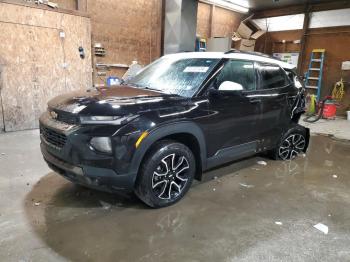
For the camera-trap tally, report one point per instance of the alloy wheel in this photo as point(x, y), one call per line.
point(291, 146)
point(170, 176)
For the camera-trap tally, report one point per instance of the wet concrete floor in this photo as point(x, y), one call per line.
point(230, 217)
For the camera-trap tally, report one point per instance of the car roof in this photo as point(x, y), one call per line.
point(233, 54)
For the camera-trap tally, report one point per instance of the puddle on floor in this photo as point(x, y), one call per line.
point(231, 216)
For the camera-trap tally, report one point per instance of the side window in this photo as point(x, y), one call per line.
point(272, 76)
point(240, 72)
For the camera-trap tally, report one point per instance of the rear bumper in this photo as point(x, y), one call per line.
point(103, 179)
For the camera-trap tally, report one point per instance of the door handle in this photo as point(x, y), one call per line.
point(255, 100)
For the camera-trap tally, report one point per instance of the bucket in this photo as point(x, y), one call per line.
point(329, 110)
point(348, 115)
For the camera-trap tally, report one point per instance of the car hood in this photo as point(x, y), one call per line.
point(119, 100)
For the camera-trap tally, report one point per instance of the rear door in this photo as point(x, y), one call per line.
point(273, 89)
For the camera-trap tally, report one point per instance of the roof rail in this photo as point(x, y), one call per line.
point(252, 53)
point(232, 51)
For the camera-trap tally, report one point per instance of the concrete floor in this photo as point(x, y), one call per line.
point(230, 217)
point(338, 128)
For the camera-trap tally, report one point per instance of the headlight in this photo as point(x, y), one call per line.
point(102, 144)
point(111, 120)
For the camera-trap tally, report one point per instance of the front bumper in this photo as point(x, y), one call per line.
point(94, 177)
point(78, 163)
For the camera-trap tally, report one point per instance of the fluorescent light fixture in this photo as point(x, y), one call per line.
point(243, 3)
point(240, 6)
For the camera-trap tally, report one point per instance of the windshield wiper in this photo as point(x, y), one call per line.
point(153, 89)
point(146, 87)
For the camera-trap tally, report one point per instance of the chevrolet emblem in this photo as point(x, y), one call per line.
point(53, 114)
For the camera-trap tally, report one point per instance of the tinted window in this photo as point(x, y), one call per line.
point(240, 72)
point(272, 76)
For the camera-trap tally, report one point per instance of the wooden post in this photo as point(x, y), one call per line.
point(162, 29)
point(303, 39)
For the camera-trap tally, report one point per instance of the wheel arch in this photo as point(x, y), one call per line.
point(187, 133)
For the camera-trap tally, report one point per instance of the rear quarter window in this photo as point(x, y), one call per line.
point(271, 76)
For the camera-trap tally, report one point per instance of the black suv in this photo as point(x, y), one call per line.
point(181, 115)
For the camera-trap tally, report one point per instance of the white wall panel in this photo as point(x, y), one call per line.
point(330, 18)
point(281, 23)
point(339, 17)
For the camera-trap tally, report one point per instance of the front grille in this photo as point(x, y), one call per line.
point(67, 117)
point(52, 137)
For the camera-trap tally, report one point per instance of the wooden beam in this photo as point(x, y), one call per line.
point(298, 9)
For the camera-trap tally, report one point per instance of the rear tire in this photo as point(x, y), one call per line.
point(166, 174)
point(292, 143)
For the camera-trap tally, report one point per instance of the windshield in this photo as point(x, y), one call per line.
point(174, 76)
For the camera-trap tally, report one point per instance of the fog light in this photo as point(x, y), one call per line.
point(102, 144)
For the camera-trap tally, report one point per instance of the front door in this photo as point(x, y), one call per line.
point(233, 115)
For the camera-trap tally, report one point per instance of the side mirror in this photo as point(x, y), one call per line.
point(230, 86)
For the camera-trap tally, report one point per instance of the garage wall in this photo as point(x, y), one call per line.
point(128, 30)
point(223, 22)
point(36, 63)
point(336, 42)
point(265, 44)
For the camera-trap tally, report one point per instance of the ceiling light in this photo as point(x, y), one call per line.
point(240, 6)
point(243, 3)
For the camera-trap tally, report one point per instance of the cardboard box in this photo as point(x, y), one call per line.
point(245, 45)
point(246, 35)
point(248, 29)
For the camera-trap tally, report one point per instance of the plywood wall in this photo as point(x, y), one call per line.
point(224, 22)
point(36, 63)
point(203, 20)
point(128, 30)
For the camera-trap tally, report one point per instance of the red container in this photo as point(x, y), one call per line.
point(329, 110)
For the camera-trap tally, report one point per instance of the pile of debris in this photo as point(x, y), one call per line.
point(243, 39)
point(247, 34)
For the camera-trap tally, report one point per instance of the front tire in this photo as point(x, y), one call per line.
point(166, 174)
